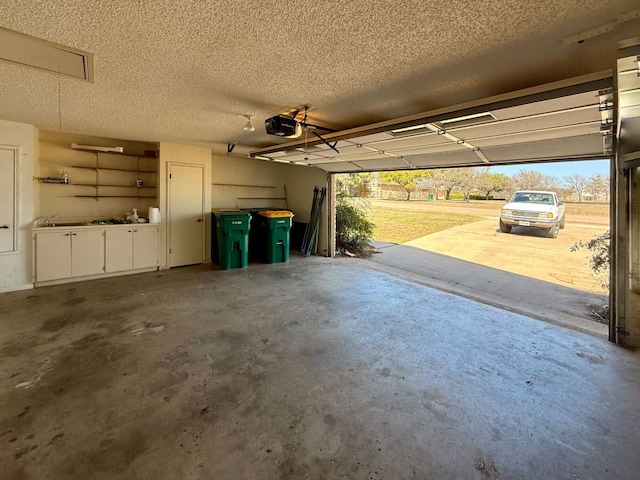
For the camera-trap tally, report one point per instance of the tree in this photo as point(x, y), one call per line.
point(467, 179)
point(445, 179)
point(564, 193)
point(432, 185)
point(549, 182)
point(577, 183)
point(488, 182)
point(405, 178)
point(355, 184)
point(527, 180)
point(597, 185)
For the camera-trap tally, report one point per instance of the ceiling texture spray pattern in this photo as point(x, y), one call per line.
point(188, 71)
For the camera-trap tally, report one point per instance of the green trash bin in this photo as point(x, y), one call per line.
point(232, 232)
point(278, 229)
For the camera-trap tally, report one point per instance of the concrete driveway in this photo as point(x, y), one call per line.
point(524, 251)
point(523, 271)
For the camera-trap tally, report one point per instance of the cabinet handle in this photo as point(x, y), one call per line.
point(4, 226)
point(67, 234)
point(74, 234)
point(135, 230)
point(199, 220)
point(129, 231)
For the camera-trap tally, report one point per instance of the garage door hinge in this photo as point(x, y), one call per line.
point(620, 331)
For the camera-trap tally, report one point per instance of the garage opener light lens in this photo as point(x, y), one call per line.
point(248, 126)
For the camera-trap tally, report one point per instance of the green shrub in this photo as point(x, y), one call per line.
point(600, 248)
point(600, 264)
point(353, 227)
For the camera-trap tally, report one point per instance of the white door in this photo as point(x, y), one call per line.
point(7, 199)
point(186, 214)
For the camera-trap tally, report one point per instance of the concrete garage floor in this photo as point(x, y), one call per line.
point(479, 262)
point(319, 368)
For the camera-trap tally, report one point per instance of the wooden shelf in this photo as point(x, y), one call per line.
point(109, 185)
point(262, 198)
point(241, 185)
point(114, 196)
point(113, 169)
point(97, 185)
point(113, 153)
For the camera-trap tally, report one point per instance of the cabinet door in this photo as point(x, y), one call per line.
point(87, 252)
point(53, 255)
point(145, 247)
point(119, 250)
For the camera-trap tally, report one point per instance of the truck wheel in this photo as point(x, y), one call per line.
point(562, 221)
point(504, 228)
point(553, 231)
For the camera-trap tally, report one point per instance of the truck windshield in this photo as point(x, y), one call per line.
point(541, 198)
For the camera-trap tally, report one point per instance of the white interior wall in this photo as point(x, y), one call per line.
point(48, 153)
point(246, 183)
point(56, 154)
point(301, 181)
point(250, 183)
point(16, 267)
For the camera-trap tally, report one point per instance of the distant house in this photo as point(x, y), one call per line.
point(395, 191)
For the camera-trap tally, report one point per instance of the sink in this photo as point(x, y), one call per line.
point(65, 224)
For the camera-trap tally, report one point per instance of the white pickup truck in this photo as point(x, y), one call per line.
point(533, 208)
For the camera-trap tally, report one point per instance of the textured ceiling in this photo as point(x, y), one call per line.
point(186, 71)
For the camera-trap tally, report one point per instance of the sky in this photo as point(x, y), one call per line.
point(559, 169)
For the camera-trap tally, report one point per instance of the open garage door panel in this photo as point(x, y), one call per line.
point(568, 121)
point(625, 239)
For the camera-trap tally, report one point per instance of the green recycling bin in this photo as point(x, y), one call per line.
point(278, 224)
point(232, 232)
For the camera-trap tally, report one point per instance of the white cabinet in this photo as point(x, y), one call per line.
point(53, 255)
point(131, 248)
point(89, 252)
point(119, 249)
point(68, 253)
point(145, 247)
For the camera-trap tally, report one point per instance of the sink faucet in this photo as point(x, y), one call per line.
point(47, 223)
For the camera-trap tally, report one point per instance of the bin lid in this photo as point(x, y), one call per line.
point(216, 210)
point(237, 213)
point(275, 213)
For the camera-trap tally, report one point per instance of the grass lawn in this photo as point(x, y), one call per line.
point(398, 226)
point(585, 208)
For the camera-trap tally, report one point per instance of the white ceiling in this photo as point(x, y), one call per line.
point(187, 71)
